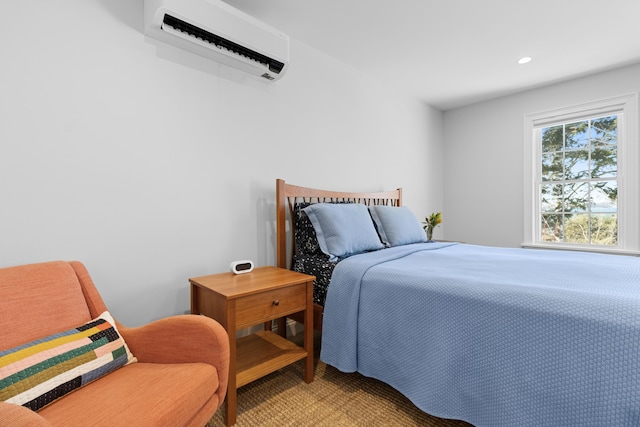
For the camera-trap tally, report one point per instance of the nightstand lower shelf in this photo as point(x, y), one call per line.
point(264, 352)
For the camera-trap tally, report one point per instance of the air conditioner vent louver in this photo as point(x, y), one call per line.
point(222, 43)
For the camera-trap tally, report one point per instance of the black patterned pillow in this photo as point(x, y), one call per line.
point(319, 267)
point(305, 237)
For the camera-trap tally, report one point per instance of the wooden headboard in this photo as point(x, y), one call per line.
point(288, 195)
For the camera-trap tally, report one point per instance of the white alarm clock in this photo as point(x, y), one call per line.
point(242, 266)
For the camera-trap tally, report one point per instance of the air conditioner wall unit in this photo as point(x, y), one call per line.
point(216, 30)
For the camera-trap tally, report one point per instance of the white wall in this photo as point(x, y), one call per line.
point(483, 179)
point(152, 165)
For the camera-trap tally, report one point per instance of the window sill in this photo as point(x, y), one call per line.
point(599, 249)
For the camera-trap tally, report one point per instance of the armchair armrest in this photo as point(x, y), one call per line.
point(182, 339)
point(179, 339)
point(18, 416)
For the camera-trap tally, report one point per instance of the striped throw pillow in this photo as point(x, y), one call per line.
point(37, 373)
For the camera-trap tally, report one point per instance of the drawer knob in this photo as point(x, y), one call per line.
point(276, 302)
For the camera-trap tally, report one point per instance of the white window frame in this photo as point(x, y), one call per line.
point(626, 107)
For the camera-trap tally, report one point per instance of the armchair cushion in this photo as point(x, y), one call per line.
point(141, 394)
point(41, 371)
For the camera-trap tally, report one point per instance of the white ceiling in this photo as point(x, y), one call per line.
point(451, 53)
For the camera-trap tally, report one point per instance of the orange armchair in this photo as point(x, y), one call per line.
point(179, 379)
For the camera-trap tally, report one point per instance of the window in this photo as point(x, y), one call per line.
point(578, 183)
point(581, 177)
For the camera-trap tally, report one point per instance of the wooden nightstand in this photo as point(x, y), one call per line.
point(243, 300)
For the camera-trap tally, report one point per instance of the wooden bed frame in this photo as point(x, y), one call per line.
point(288, 195)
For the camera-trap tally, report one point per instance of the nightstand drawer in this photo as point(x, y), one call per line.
point(271, 304)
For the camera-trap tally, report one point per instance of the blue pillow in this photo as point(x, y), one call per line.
point(397, 225)
point(343, 229)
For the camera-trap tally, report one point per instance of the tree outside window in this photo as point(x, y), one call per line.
point(578, 185)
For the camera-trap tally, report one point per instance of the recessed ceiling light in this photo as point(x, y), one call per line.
point(524, 60)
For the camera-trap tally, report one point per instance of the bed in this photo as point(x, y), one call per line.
point(492, 336)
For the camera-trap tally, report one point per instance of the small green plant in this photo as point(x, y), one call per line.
point(432, 222)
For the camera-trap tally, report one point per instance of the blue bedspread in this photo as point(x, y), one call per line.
point(493, 336)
